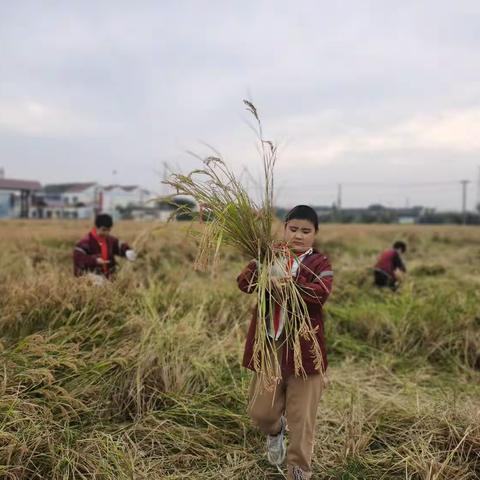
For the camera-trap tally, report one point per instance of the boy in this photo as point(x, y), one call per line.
point(388, 263)
point(295, 399)
point(95, 253)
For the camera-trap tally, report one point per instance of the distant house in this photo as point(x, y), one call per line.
point(84, 200)
point(16, 197)
point(115, 199)
point(67, 200)
point(179, 207)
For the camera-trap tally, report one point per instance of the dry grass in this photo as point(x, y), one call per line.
point(141, 379)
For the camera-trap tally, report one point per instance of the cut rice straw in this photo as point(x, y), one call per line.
point(238, 221)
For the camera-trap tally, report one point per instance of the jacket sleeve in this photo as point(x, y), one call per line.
point(398, 263)
point(317, 289)
point(247, 280)
point(119, 248)
point(82, 258)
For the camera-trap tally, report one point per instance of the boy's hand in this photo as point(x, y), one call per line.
point(399, 276)
point(101, 261)
point(131, 255)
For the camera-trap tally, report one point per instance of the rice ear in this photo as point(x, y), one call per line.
point(240, 222)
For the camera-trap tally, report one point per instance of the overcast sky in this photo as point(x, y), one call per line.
point(359, 93)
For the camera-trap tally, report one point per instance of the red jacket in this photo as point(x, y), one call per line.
point(88, 250)
point(315, 293)
point(389, 261)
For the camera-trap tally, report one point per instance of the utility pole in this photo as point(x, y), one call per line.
point(478, 192)
point(464, 200)
point(339, 197)
point(338, 209)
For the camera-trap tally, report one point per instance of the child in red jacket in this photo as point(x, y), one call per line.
point(389, 262)
point(95, 253)
point(295, 399)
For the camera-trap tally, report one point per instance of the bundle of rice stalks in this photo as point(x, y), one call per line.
point(236, 220)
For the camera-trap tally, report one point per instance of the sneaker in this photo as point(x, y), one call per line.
point(276, 445)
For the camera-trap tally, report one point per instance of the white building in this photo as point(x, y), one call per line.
point(115, 198)
point(165, 209)
point(84, 200)
point(68, 200)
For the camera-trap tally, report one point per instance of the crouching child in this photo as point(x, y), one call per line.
point(95, 253)
point(389, 263)
point(293, 404)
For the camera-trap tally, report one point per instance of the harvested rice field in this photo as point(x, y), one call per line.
point(141, 378)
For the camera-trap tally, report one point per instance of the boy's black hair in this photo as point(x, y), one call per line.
point(303, 212)
point(103, 220)
point(399, 245)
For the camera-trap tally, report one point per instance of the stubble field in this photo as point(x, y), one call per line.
point(141, 378)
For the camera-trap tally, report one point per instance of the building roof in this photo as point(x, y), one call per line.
point(13, 184)
point(68, 187)
point(126, 188)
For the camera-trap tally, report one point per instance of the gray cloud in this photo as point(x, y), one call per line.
point(372, 91)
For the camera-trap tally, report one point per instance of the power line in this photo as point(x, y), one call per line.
point(333, 187)
point(400, 184)
point(377, 184)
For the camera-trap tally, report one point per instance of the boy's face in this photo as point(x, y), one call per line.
point(103, 231)
point(299, 235)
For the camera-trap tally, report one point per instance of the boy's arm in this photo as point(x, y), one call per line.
point(120, 248)
point(318, 290)
point(398, 263)
point(247, 280)
point(82, 258)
